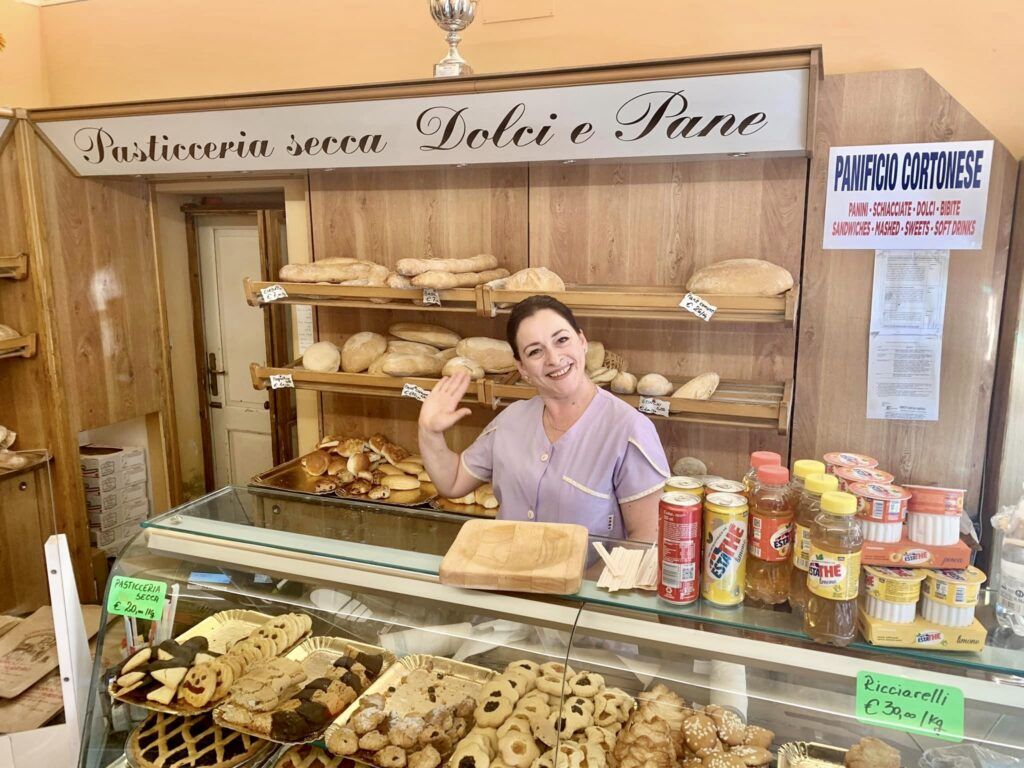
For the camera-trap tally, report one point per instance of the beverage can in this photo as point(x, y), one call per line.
point(725, 548)
point(719, 485)
point(683, 484)
point(679, 520)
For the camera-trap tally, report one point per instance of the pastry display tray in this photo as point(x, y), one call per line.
point(258, 760)
point(290, 476)
point(807, 754)
point(394, 676)
point(442, 504)
point(315, 654)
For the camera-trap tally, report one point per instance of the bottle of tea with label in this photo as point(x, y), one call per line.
point(807, 509)
point(833, 571)
point(771, 538)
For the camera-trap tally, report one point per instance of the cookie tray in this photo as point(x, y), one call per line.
point(807, 754)
point(442, 504)
point(394, 676)
point(227, 627)
point(315, 654)
point(290, 476)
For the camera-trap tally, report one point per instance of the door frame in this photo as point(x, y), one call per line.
point(268, 220)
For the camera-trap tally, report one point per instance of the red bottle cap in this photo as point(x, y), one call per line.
point(773, 475)
point(765, 459)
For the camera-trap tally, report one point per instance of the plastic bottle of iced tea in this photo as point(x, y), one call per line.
point(759, 459)
point(771, 537)
point(801, 469)
point(833, 571)
point(806, 510)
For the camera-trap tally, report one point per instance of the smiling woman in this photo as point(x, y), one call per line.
point(572, 454)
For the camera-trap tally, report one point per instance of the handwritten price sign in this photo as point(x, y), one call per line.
point(653, 407)
point(136, 598)
point(910, 705)
point(415, 392)
point(431, 298)
point(273, 293)
point(695, 305)
point(281, 381)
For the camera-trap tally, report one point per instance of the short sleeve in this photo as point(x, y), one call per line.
point(644, 466)
point(478, 459)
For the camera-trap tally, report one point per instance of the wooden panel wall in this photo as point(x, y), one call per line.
point(106, 294)
point(882, 108)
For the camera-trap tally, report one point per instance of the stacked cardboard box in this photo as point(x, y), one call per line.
point(116, 496)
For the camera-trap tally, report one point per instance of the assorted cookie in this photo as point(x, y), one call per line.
point(308, 756)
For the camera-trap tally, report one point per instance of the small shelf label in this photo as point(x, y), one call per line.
point(431, 298)
point(273, 293)
point(652, 406)
point(415, 392)
point(910, 705)
point(281, 381)
point(136, 598)
point(698, 307)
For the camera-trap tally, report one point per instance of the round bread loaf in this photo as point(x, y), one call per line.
point(741, 277)
point(322, 357)
point(434, 335)
point(624, 383)
point(492, 355)
point(654, 385)
point(360, 350)
point(470, 366)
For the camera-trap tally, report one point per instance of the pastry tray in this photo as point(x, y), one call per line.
point(807, 754)
point(290, 476)
point(321, 652)
point(258, 760)
point(227, 627)
point(394, 676)
point(278, 755)
point(442, 504)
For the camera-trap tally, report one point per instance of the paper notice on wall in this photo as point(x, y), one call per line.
point(304, 327)
point(905, 345)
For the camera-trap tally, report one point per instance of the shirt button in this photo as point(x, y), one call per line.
point(544, 457)
point(530, 515)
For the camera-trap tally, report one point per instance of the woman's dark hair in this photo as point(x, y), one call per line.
point(531, 306)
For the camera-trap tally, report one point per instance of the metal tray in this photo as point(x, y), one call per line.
point(290, 476)
point(395, 675)
point(442, 504)
point(807, 754)
point(315, 654)
point(275, 760)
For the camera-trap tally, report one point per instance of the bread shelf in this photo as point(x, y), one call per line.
point(19, 346)
point(735, 403)
point(625, 302)
point(14, 267)
point(36, 457)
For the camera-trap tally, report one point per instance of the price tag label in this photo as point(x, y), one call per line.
point(910, 705)
point(273, 293)
point(653, 406)
point(136, 598)
point(281, 381)
point(695, 305)
point(415, 392)
point(430, 298)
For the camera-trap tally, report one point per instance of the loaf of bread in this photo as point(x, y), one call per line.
point(536, 279)
point(624, 383)
point(322, 357)
point(595, 355)
point(492, 355)
point(333, 271)
point(377, 366)
point(361, 349)
point(603, 375)
point(457, 364)
point(653, 385)
point(447, 354)
point(395, 280)
point(484, 496)
point(469, 498)
point(743, 277)
point(699, 387)
point(412, 365)
point(412, 267)
point(400, 347)
point(442, 280)
point(434, 335)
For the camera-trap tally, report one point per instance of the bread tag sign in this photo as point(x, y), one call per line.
point(136, 598)
point(273, 293)
point(697, 306)
point(430, 298)
point(652, 406)
point(415, 392)
point(281, 381)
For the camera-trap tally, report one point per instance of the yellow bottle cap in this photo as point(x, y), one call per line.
point(821, 483)
point(838, 503)
point(805, 467)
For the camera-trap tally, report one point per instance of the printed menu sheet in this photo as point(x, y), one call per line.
point(908, 305)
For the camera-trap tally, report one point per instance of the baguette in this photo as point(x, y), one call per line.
point(434, 335)
point(441, 280)
point(699, 387)
point(412, 267)
point(331, 271)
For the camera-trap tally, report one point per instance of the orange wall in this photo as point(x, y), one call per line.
point(118, 50)
point(22, 72)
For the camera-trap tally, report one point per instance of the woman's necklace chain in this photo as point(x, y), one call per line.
point(551, 422)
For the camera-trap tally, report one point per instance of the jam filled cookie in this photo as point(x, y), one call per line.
point(521, 680)
point(532, 668)
point(586, 684)
point(518, 750)
point(533, 706)
point(515, 723)
point(557, 669)
point(390, 757)
point(500, 688)
point(428, 757)
point(491, 713)
point(550, 684)
point(343, 741)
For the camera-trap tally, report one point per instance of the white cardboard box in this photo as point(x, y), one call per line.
point(104, 520)
point(99, 460)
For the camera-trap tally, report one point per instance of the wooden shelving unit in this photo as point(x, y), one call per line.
point(19, 346)
point(742, 404)
point(627, 302)
point(35, 458)
point(14, 267)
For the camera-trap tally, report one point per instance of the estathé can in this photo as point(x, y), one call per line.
point(725, 548)
point(679, 516)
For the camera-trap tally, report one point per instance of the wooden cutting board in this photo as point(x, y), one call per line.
point(542, 558)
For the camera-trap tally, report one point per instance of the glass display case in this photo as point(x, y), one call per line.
point(368, 573)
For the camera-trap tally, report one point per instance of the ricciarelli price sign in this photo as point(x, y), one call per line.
point(908, 196)
point(910, 705)
point(716, 114)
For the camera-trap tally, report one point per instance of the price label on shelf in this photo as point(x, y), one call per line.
point(273, 293)
point(695, 305)
point(652, 406)
point(910, 705)
point(136, 598)
point(281, 381)
point(415, 392)
point(430, 298)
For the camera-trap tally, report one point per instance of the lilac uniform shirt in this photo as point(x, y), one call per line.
point(610, 456)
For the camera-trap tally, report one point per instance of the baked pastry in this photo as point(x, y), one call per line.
point(872, 753)
point(741, 277)
point(308, 756)
point(171, 741)
point(322, 357)
point(699, 387)
point(653, 385)
point(413, 267)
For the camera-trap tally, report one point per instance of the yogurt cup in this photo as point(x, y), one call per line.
point(848, 475)
point(891, 594)
point(886, 533)
point(881, 503)
point(844, 459)
point(954, 588)
point(929, 499)
point(721, 485)
point(937, 530)
point(895, 613)
point(683, 484)
point(947, 615)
